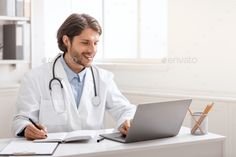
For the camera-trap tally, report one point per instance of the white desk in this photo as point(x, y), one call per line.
point(183, 145)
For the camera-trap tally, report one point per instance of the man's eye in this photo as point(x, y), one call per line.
point(85, 43)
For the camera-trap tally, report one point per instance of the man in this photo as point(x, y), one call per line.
point(70, 94)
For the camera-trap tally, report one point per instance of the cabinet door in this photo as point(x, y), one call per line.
point(7, 108)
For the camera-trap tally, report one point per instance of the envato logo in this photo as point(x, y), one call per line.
point(69, 60)
point(179, 60)
point(46, 60)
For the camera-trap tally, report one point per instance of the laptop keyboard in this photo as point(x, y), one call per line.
point(119, 136)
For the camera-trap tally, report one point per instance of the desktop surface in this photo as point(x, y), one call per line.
point(184, 144)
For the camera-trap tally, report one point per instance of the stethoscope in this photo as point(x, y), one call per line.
point(95, 100)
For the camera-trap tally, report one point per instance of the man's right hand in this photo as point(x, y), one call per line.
point(32, 133)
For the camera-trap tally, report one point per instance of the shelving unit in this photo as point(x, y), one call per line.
point(24, 21)
point(12, 18)
point(12, 61)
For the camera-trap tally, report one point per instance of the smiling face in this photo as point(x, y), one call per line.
point(81, 49)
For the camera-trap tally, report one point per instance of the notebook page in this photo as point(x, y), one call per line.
point(80, 135)
point(28, 148)
point(53, 137)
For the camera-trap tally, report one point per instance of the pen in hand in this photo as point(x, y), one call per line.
point(35, 125)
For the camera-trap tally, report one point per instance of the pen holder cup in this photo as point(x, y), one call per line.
point(199, 123)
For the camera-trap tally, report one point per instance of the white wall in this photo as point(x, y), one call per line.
point(203, 30)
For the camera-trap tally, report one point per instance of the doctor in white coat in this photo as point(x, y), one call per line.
point(70, 93)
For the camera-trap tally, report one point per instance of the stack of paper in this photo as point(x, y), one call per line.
point(24, 147)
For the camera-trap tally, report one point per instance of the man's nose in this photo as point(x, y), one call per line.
point(92, 48)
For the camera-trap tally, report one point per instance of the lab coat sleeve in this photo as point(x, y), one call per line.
point(27, 105)
point(117, 105)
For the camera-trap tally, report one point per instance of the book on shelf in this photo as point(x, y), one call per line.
point(13, 39)
point(19, 10)
point(7, 7)
point(27, 7)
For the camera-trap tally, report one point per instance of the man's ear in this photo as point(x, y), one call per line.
point(66, 40)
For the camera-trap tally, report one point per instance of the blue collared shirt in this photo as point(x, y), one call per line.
point(76, 81)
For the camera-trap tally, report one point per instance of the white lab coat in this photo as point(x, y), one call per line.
point(34, 101)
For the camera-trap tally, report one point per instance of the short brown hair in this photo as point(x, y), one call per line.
point(74, 25)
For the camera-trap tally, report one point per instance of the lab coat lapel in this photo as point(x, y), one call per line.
point(61, 74)
point(87, 94)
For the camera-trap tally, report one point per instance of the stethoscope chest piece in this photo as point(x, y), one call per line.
point(96, 101)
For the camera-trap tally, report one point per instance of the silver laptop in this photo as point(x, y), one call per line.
point(154, 121)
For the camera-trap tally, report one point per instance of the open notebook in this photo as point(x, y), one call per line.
point(62, 137)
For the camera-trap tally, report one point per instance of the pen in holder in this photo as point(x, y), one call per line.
point(199, 122)
point(202, 128)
